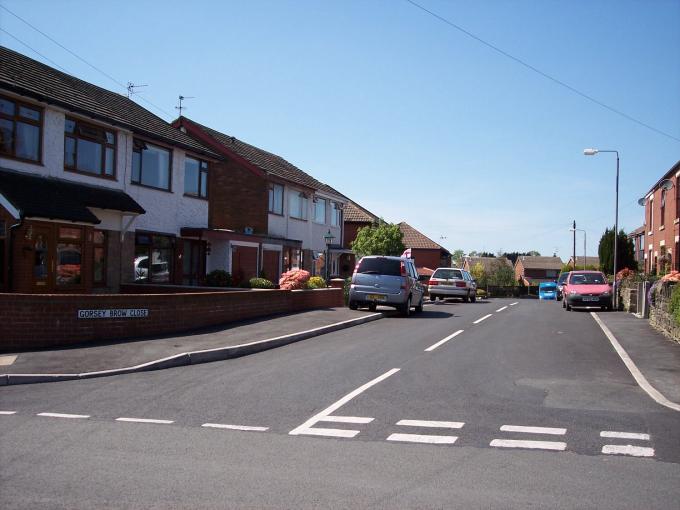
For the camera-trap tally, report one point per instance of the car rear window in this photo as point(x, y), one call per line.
point(389, 267)
point(548, 287)
point(448, 274)
point(587, 279)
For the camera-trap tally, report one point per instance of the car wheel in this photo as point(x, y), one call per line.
point(473, 297)
point(406, 308)
point(466, 298)
point(353, 305)
point(568, 307)
point(433, 298)
point(419, 307)
point(372, 307)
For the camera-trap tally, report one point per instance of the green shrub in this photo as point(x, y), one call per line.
point(218, 278)
point(481, 293)
point(348, 283)
point(260, 283)
point(675, 303)
point(316, 282)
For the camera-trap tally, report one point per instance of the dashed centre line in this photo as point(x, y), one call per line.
point(347, 419)
point(501, 308)
point(534, 430)
point(8, 412)
point(482, 318)
point(625, 435)
point(515, 303)
point(442, 342)
point(634, 451)
point(234, 427)
point(145, 420)
point(68, 416)
point(533, 445)
point(433, 424)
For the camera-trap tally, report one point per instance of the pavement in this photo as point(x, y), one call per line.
point(212, 344)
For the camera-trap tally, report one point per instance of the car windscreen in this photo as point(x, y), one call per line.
point(587, 279)
point(550, 287)
point(390, 267)
point(448, 274)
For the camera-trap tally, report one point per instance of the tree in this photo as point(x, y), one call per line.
point(514, 255)
point(457, 258)
point(381, 239)
point(502, 275)
point(625, 252)
point(479, 273)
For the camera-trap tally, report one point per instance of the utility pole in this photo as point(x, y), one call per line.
point(574, 259)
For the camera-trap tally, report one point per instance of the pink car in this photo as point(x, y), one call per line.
point(587, 289)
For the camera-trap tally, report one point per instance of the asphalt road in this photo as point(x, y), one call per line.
point(528, 408)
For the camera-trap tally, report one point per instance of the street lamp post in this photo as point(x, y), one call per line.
point(329, 238)
point(574, 230)
point(593, 152)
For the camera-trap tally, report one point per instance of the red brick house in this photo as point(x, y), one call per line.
point(662, 218)
point(266, 215)
point(426, 253)
point(534, 270)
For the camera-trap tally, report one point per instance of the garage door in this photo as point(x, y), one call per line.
point(243, 264)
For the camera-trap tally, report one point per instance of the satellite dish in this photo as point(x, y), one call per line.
point(666, 184)
point(642, 201)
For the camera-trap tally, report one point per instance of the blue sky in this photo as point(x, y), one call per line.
point(404, 114)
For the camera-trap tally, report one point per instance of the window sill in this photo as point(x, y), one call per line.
point(662, 227)
point(298, 219)
point(319, 223)
point(197, 197)
point(22, 160)
point(275, 213)
point(90, 174)
point(676, 221)
point(150, 187)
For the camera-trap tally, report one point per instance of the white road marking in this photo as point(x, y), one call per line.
point(234, 427)
point(145, 420)
point(418, 438)
point(61, 415)
point(328, 432)
point(501, 308)
point(433, 424)
point(7, 360)
point(625, 435)
point(534, 430)
point(635, 451)
point(305, 428)
point(347, 419)
point(534, 445)
point(633, 369)
point(441, 342)
point(515, 303)
point(482, 318)
point(8, 412)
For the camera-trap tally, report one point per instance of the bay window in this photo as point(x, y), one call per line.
point(150, 165)
point(20, 130)
point(195, 177)
point(89, 149)
point(154, 256)
point(69, 256)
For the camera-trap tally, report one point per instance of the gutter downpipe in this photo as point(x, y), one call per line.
point(10, 261)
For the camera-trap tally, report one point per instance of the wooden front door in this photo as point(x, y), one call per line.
point(270, 265)
point(244, 263)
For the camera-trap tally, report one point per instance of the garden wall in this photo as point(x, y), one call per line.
point(660, 317)
point(36, 321)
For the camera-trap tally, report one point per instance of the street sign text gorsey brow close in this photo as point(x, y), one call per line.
point(114, 313)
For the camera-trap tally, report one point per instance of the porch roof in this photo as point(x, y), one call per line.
point(225, 234)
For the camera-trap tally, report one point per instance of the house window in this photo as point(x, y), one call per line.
point(154, 255)
point(150, 165)
point(20, 130)
point(99, 258)
point(69, 256)
point(276, 198)
point(336, 214)
point(662, 219)
point(195, 177)
point(298, 205)
point(320, 210)
point(89, 148)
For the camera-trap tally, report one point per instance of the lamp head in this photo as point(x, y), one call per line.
point(642, 201)
point(666, 184)
point(590, 152)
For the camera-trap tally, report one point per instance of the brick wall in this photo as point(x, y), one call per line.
point(35, 321)
point(426, 258)
point(238, 198)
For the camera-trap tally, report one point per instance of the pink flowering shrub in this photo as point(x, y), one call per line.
point(673, 276)
point(294, 279)
point(624, 274)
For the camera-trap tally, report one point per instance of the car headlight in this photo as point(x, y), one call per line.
point(573, 293)
point(606, 293)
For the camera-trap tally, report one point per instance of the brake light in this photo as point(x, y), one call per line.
point(460, 284)
point(402, 267)
point(434, 282)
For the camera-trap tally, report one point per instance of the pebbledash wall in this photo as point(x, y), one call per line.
point(37, 321)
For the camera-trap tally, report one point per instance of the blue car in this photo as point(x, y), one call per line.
point(547, 290)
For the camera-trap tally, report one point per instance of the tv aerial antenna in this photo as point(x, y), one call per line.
point(131, 88)
point(180, 107)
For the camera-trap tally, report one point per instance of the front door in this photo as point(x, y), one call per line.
point(270, 265)
point(43, 259)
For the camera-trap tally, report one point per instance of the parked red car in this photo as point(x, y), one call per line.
point(587, 289)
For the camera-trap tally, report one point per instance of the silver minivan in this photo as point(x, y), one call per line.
point(389, 281)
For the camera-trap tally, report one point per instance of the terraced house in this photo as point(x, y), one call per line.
point(95, 190)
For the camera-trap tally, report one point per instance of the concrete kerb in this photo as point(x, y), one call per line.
point(193, 357)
